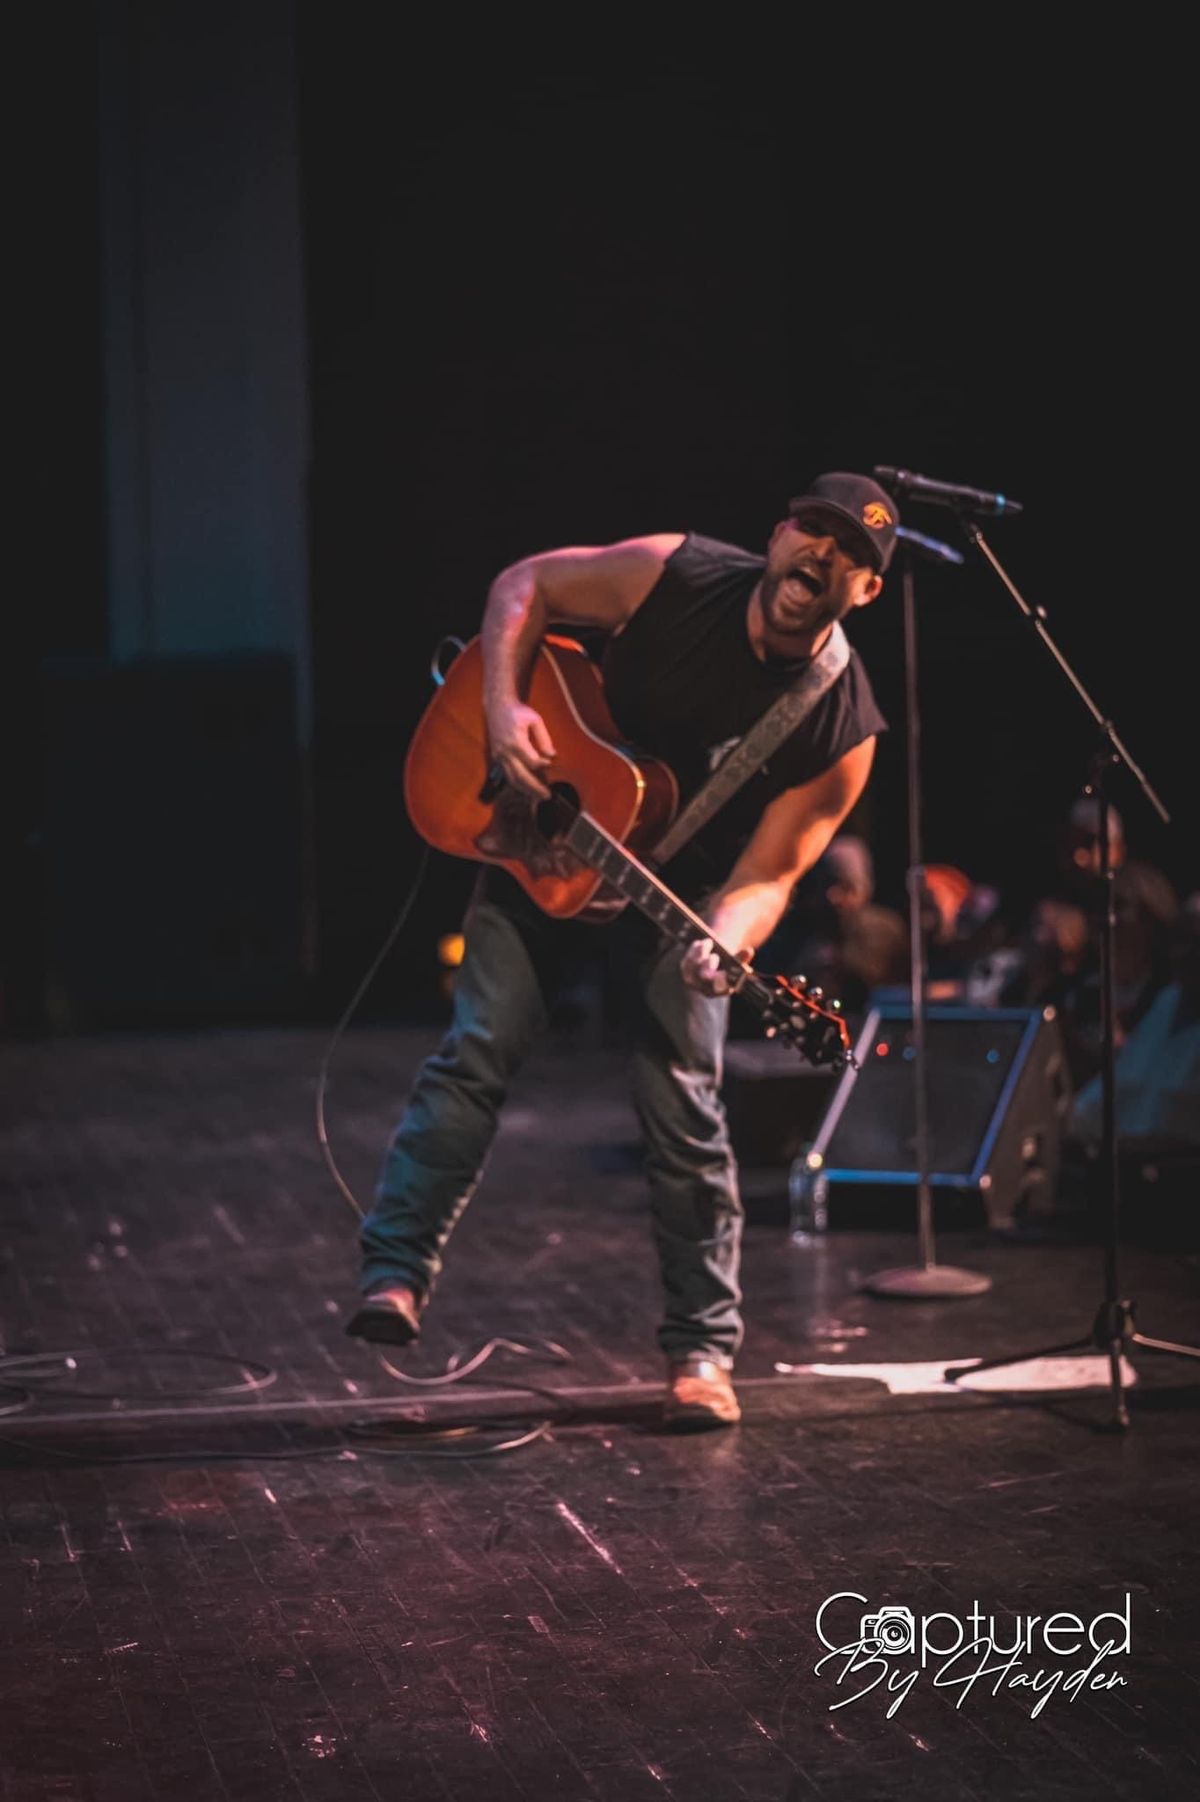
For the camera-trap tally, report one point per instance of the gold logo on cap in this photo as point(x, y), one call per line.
point(876, 515)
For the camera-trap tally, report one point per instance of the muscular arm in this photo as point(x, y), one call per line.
point(790, 837)
point(583, 586)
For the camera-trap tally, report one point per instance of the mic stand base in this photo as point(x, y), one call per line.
point(921, 1282)
point(1113, 1330)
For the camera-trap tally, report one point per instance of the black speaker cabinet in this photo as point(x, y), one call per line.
point(998, 1097)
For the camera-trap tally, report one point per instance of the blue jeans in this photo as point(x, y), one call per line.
point(501, 1001)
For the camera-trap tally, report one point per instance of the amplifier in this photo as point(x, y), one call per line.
point(999, 1094)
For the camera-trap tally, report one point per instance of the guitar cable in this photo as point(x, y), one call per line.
point(348, 1012)
point(437, 677)
point(455, 1372)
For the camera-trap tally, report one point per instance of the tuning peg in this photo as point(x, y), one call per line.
point(800, 982)
point(816, 994)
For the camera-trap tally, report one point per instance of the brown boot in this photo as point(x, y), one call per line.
point(389, 1314)
point(699, 1395)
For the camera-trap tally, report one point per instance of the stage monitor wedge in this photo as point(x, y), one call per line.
point(999, 1093)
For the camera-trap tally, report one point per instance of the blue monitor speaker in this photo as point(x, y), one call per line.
point(999, 1094)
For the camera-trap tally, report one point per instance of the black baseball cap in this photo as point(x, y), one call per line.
point(860, 502)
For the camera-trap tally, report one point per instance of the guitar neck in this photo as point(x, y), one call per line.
point(638, 883)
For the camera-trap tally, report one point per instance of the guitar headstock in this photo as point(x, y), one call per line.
point(801, 1014)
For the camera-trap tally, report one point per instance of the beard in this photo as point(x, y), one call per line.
point(792, 609)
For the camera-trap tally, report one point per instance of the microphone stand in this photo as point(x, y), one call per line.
point(927, 1278)
point(1114, 1327)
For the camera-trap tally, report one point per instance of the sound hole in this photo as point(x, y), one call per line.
point(554, 816)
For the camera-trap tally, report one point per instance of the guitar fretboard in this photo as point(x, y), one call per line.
point(820, 1036)
point(638, 883)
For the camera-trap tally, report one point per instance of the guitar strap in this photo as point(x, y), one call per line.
point(752, 751)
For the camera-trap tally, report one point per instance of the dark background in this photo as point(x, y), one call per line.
point(570, 289)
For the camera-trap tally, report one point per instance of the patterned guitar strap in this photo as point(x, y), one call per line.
point(752, 751)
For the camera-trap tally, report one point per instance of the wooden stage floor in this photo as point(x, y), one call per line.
point(242, 1560)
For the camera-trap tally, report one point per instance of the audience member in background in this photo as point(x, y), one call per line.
point(1079, 862)
point(963, 926)
point(998, 955)
point(1058, 970)
point(835, 934)
point(1157, 1068)
point(1049, 961)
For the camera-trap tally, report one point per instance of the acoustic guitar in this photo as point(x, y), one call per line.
point(581, 854)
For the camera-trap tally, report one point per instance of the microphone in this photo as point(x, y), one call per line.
point(945, 494)
point(933, 548)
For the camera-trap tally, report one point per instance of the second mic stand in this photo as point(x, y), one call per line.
point(927, 1279)
point(1114, 1325)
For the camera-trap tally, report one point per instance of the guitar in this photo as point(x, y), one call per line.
point(577, 854)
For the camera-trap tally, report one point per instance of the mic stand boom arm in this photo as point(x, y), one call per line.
point(1037, 619)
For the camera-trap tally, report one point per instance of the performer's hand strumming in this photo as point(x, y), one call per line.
point(522, 746)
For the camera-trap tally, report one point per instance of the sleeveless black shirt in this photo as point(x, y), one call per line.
point(683, 683)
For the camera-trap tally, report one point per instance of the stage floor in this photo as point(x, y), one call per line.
point(270, 1569)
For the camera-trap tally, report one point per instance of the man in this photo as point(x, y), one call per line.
point(1146, 909)
point(702, 638)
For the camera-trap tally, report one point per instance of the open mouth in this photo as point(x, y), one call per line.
point(806, 580)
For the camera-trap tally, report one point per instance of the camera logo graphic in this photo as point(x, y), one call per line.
point(890, 1630)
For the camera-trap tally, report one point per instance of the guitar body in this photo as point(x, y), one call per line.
point(577, 854)
point(449, 799)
